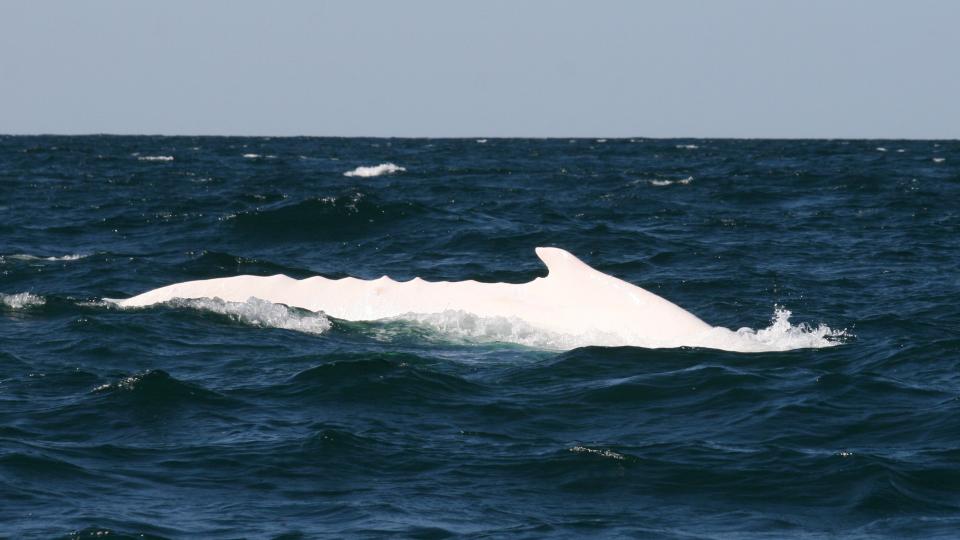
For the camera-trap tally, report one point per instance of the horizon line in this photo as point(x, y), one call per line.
point(486, 137)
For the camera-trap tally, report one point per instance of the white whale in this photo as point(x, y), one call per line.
point(576, 302)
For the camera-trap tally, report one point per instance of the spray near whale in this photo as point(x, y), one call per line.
point(573, 300)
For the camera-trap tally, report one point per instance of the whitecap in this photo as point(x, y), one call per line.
point(22, 300)
point(27, 257)
point(881, 149)
point(481, 141)
point(251, 156)
point(257, 312)
point(368, 172)
point(155, 158)
point(682, 181)
point(939, 159)
point(687, 146)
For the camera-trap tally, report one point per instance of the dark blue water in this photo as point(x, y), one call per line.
point(190, 422)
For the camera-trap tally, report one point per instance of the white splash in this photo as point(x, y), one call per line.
point(574, 306)
point(660, 183)
point(155, 158)
point(257, 312)
point(781, 335)
point(21, 300)
point(369, 172)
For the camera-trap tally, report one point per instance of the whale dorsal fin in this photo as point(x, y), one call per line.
point(561, 263)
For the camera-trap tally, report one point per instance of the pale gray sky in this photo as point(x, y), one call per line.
point(439, 68)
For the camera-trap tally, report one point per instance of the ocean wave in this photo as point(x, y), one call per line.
point(687, 146)
point(384, 377)
point(369, 172)
point(347, 215)
point(939, 159)
point(155, 158)
point(157, 387)
point(257, 312)
point(22, 300)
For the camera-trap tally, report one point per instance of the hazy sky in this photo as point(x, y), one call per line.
point(734, 68)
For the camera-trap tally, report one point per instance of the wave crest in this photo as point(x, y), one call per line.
point(377, 170)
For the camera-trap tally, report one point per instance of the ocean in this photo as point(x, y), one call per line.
point(214, 419)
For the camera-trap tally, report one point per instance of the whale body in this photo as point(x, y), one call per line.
point(572, 300)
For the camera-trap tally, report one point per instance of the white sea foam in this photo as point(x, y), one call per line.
point(939, 159)
point(687, 146)
point(256, 312)
point(155, 158)
point(881, 149)
point(683, 181)
point(609, 454)
point(251, 156)
point(21, 300)
point(368, 172)
point(26, 257)
point(481, 141)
